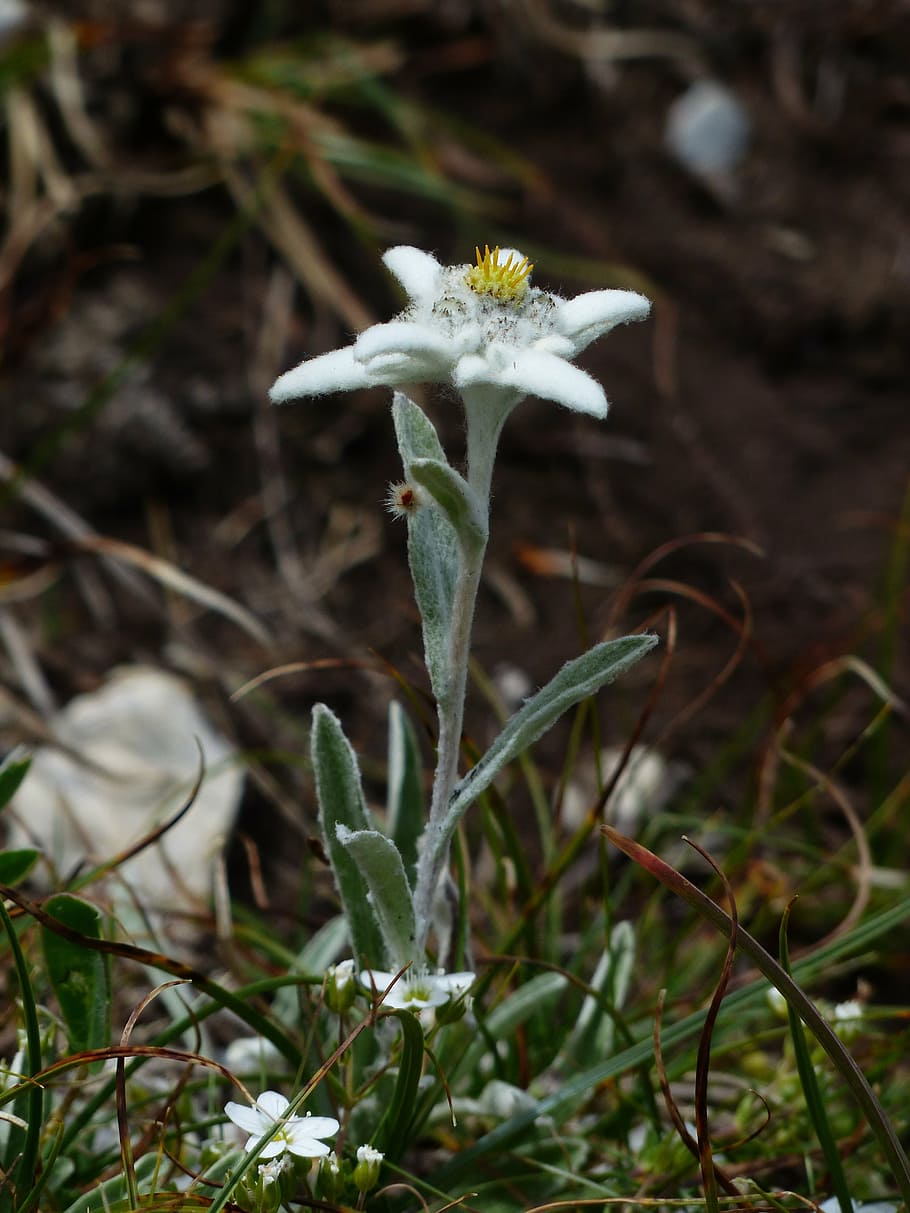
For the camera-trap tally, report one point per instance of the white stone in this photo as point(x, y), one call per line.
point(708, 129)
point(137, 736)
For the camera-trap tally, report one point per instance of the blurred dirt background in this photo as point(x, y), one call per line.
point(196, 196)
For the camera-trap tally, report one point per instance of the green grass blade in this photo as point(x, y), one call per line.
point(796, 999)
point(80, 978)
point(13, 770)
point(572, 1093)
point(24, 1172)
point(393, 1134)
point(815, 1103)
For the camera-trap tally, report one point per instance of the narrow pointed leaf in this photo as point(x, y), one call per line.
point(341, 802)
point(22, 1145)
point(562, 1103)
point(432, 545)
point(79, 976)
point(12, 771)
point(417, 437)
point(815, 1100)
point(404, 801)
point(594, 1033)
point(16, 865)
point(393, 1134)
point(455, 498)
point(796, 998)
point(536, 996)
point(575, 681)
point(379, 863)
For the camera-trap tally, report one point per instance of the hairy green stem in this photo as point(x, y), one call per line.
point(486, 410)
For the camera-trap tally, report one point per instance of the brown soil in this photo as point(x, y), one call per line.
point(766, 400)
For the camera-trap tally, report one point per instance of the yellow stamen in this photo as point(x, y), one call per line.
point(506, 281)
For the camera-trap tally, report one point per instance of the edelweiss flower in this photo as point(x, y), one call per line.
point(418, 991)
point(296, 1134)
point(481, 326)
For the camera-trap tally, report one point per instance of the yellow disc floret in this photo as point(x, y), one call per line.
point(504, 280)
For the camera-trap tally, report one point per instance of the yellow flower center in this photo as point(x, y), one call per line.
point(506, 280)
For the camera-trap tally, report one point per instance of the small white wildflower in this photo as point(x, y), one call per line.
point(417, 991)
point(848, 1018)
point(777, 1002)
point(847, 1012)
point(266, 1121)
point(480, 326)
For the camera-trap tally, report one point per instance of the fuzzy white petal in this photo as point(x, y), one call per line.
point(417, 271)
point(392, 370)
point(556, 343)
point(589, 316)
point(403, 337)
point(537, 373)
point(272, 1104)
point(476, 371)
point(337, 371)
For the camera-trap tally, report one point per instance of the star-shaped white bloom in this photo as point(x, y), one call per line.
point(266, 1120)
point(417, 991)
point(481, 326)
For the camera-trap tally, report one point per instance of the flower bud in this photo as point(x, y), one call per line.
point(369, 1164)
point(331, 1184)
point(340, 988)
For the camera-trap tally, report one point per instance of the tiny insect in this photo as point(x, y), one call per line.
point(402, 499)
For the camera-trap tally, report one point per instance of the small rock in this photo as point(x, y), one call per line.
point(137, 737)
point(708, 130)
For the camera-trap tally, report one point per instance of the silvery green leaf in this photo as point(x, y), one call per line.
point(595, 1031)
point(455, 498)
point(404, 798)
point(575, 681)
point(341, 803)
point(432, 545)
point(379, 863)
point(417, 437)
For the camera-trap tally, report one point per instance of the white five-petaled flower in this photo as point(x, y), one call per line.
point(266, 1120)
point(417, 991)
point(481, 326)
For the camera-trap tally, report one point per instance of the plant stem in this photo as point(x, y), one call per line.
point(486, 410)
